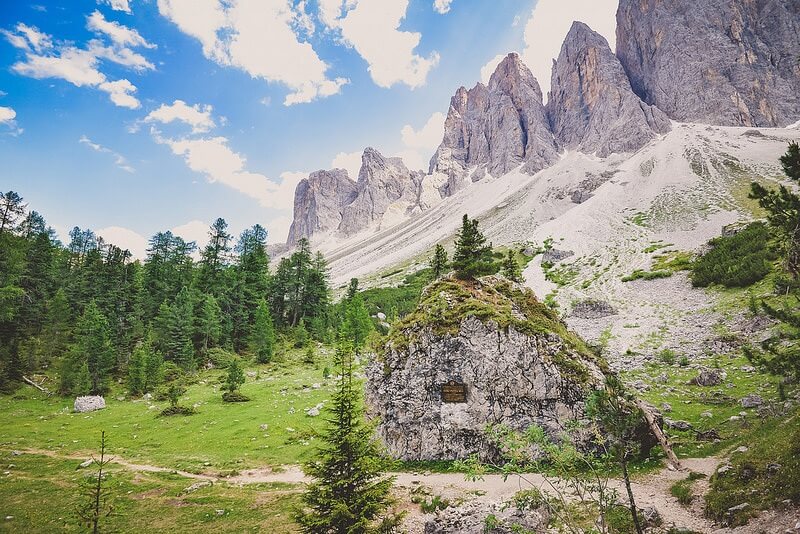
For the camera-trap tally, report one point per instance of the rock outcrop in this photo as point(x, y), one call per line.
point(723, 62)
point(319, 201)
point(384, 184)
point(496, 128)
point(89, 403)
point(475, 354)
point(471, 518)
point(591, 105)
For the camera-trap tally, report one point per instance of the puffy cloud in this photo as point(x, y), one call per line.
point(421, 144)
point(125, 238)
point(120, 93)
point(261, 38)
point(442, 6)
point(488, 69)
point(213, 157)
point(196, 116)
point(8, 118)
point(117, 5)
point(80, 66)
point(549, 23)
point(194, 230)
point(119, 34)
point(372, 28)
point(349, 161)
point(119, 159)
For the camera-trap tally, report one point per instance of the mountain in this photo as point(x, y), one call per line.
point(328, 202)
point(319, 201)
point(591, 105)
point(494, 129)
point(721, 62)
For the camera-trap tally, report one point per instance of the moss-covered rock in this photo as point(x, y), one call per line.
point(514, 359)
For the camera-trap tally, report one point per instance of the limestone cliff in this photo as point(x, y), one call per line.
point(591, 105)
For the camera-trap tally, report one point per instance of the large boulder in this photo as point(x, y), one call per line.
point(89, 403)
point(474, 354)
point(471, 518)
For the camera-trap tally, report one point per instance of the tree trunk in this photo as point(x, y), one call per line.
point(631, 500)
point(659, 434)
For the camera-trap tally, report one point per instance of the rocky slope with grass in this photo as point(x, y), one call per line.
point(516, 361)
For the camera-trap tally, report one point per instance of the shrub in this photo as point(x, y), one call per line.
point(220, 357)
point(234, 396)
point(177, 410)
point(739, 260)
point(667, 356)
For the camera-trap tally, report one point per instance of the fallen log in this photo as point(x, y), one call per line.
point(672, 459)
point(37, 386)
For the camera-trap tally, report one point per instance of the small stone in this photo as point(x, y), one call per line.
point(15, 453)
point(381, 316)
point(752, 401)
point(741, 449)
point(220, 512)
point(666, 407)
point(198, 485)
point(251, 374)
point(263, 426)
point(724, 469)
point(709, 377)
point(738, 507)
point(682, 426)
point(706, 414)
point(734, 418)
point(84, 465)
point(774, 467)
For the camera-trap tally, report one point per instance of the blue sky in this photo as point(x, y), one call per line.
point(135, 116)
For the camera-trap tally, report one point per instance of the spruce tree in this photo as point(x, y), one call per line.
point(349, 493)
point(263, 337)
point(93, 349)
point(472, 256)
point(511, 268)
point(439, 261)
point(357, 323)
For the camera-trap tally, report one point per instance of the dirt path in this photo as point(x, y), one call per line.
point(652, 490)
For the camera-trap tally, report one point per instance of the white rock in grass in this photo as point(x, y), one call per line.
point(89, 403)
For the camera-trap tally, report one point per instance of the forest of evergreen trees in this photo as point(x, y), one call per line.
point(90, 311)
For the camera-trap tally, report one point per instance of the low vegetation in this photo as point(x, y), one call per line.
point(739, 260)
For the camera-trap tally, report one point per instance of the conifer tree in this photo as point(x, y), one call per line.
point(472, 256)
point(439, 261)
point(263, 337)
point(11, 209)
point(349, 493)
point(235, 377)
point(92, 348)
point(209, 323)
point(511, 268)
point(357, 323)
point(95, 505)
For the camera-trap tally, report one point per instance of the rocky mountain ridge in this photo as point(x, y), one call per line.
point(719, 62)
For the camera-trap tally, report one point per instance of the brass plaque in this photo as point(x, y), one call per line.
point(454, 392)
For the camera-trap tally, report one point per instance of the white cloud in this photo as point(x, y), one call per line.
point(194, 230)
point(7, 115)
point(119, 159)
point(120, 93)
point(125, 238)
point(213, 157)
point(372, 28)
point(442, 6)
point(421, 144)
point(8, 118)
point(119, 34)
point(488, 69)
point(349, 161)
point(259, 37)
point(549, 23)
point(80, 66)
point(117, 5)
point(196, 116)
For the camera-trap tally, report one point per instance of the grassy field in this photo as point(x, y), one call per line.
point(220, 438)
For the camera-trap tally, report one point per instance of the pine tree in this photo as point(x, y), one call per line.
point(11, 209)
point(93, 349)
point(511, 268)
point(349, 493)
point(472, 257)
point(263, 337)
point(235, 377)
point(439, 261)
point(209, 323)
point(96, 497)
point(357, 323)
point(136, 371)
point(783, 210)
point(352, 289)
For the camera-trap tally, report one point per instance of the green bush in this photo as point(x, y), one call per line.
point(738, 260)
point(234, 396)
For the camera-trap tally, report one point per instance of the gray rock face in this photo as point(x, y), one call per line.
point(495, 128)
point(382, 182)
point(509, 377)
point(724, 62)
point(591, 105)
point(592, 309)
point(89, 403)
point(470, 518)
point(319, 201)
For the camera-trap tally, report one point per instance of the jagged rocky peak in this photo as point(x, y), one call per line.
point(384, 184)
point(591, 105)
point(495, 128)
point(476, 353)
point(724, 62)
point(319, 201)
